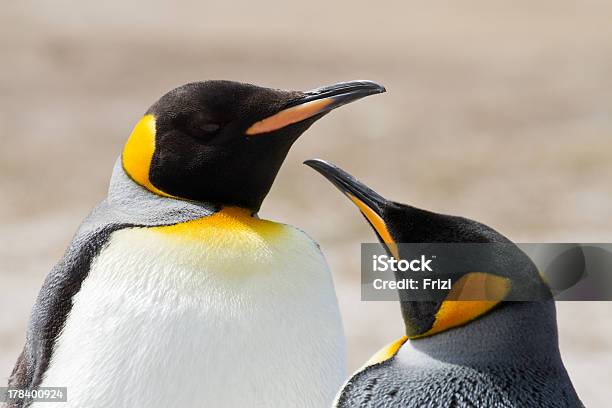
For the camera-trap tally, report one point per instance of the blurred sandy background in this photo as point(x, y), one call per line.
point(498, 111)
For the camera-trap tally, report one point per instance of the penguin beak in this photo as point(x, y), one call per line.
point(471, 296)
point(349, 185)
point(370, 203)
point(316, 102)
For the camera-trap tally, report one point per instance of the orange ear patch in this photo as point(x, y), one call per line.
point(471, 296)
point(138, 154)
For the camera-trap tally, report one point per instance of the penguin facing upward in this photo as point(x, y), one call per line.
point(173, 292)
point(459, 353)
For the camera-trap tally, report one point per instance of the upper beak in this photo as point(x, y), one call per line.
point(349, 185)
point(341, 93)
point(370, 203)
point(315, 102)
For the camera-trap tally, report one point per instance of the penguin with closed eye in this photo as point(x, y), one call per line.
point(173, 293)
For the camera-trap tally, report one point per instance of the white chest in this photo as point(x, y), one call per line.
point(220, 318)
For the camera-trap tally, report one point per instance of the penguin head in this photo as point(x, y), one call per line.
point(223, 142)
point(505, 273)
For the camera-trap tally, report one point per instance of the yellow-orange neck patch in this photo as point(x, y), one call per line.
point(138, 154)
point(229, 224)
point(386, 352)
point(475, 285)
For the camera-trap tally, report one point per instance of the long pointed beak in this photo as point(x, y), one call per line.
point(371, 204)
point(316, 102)
point(349, 185)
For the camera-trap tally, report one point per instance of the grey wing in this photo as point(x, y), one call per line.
point(52, 307)
point(127, 205)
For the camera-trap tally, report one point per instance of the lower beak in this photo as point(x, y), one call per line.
point(316, 102)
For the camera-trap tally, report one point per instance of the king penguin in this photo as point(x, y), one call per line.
point(482, 352)
point(173, 293)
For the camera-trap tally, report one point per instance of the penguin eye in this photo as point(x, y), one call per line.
point(199, 125)
point(209, 127)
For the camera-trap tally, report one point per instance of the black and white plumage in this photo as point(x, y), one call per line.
point(487, 353)
point(173, 292)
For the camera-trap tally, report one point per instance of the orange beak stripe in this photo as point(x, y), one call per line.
point(289, 116)
point(378, 223)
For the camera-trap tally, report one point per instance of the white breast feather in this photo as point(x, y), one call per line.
point(160, 322)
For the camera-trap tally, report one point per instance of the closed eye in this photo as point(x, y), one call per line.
point(210, 127)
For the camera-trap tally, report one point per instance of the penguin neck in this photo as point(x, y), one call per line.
point(129, 195)
point(129, 201)
point(516, 332)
